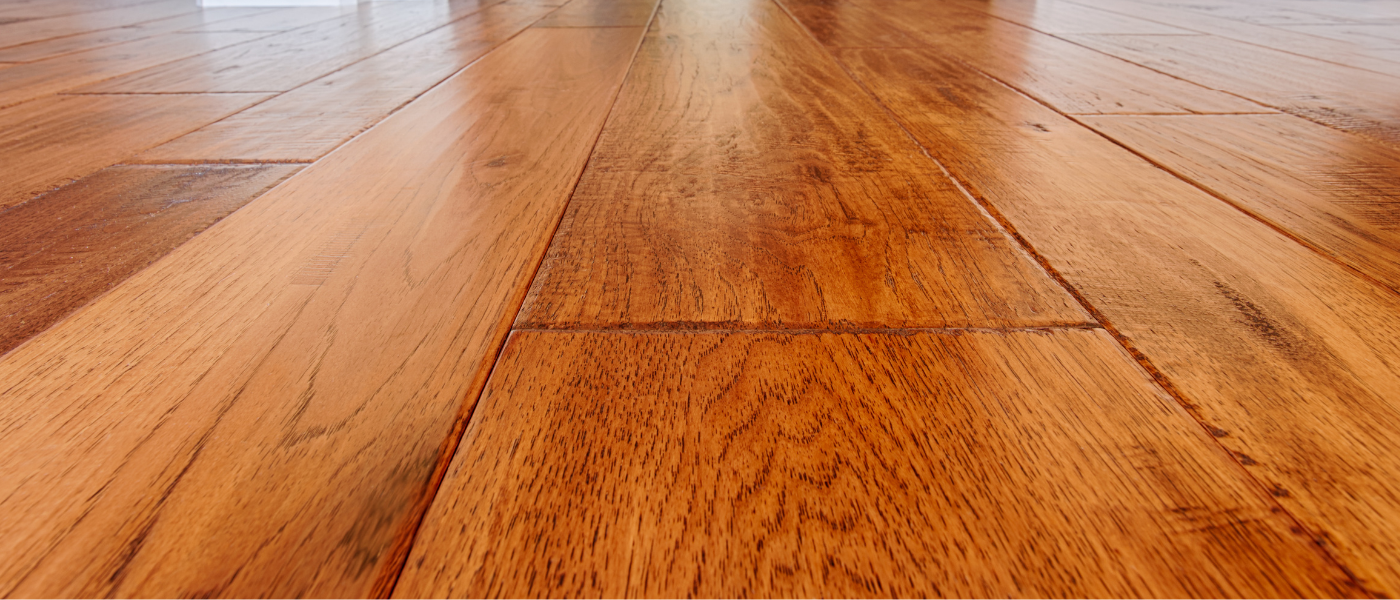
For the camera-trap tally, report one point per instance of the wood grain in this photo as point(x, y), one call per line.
point(976, 465)
point(47, 143)
point(601, 13)
point(1338, 192)
point(65, 248)
point(262, 411)
point(751, 183)
point(33, 30)
point(309, 121)
point(281, 19)
point(119, 35)
point(1290, 359)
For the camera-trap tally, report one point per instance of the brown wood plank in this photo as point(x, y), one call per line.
point(1063, 17)
point(601, 13)
point(65, 248)
point(262, 411)
point(283, 61)
point(307, 122)
point(281, 19)
point(1338, 192)
point(20, 10)
point(109, 37)
point(1293, 361)
point(762, 188)
point(1069, 77)
point(46, 143)
point(772, 465)
point(33, 30)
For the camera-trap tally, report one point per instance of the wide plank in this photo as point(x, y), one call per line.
point(309, 121)
point(1338, 192)
point(61, 250)
point(108, 37)
point(750, 183)
point(601, 13)
point(1293, 361)
point(46, 143)
point(264, 411)
point(1039, 464)
point(33, 30)
point(281, 19)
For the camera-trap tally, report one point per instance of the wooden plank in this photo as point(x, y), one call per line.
point(601, 13)
point(307, 122)
point(773, 465)
point(263, 411)
point(282, 19)
point(1291, 360)
point(33, 30)
point(763, 188)
point(23, 82)
point(286, 60)
point(20, 10)
point(46, 143)
point(1366, 35)
point(109, 37)
point(65, 248)
point(1337, 192)
point(1063, 17)
point(1069, 77)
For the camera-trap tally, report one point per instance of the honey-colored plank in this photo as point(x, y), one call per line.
point(770, 465)
point(33, 30)
point(1338, 192)
point(307, 122)
point(65, 248)
point(263, 411)
point(46, 143)
point(1069, 77)
point(108, 37)
point(601, 13)
point(751, 183)
point(1293, 361)
point(23, 10)
point(283, 61)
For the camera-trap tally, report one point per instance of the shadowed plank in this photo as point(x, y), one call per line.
point(65, 248)
point(108, 37)
point(14, 34)
point(262, 411)
point(601, 13)
point(1069, 77)
point(1339, 192)
point(307, 122)
point(1293, 361)
point(750, 183)
point(46, 143)
point(1038, 464)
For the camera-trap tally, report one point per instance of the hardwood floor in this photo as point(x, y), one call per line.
point(700, 298)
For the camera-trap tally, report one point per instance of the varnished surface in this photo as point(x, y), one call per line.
point(108, 37)
point(66, 247)
point(973, 465)
point(82, 21)
point(1291, 359)
point(731, 188)
point(262, 411)
point(601, 13)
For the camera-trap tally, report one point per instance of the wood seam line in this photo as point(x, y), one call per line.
point(59, 37)
point(196, 163)
point(1142, 359)
point(811, 330)
point(386, 588)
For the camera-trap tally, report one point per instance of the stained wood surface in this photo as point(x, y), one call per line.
point(47, 143)
point(309, 121)
point(281, 19)
point(32, 30)
point(65, 248)
point(1293, 361)
point(107, 37)
point(261, 412)
point(601, 13)
point(751, 183)
point(1337, 192)
point(975, 465)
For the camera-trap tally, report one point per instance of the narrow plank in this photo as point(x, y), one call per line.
point(47, 143)
point(286, 60)
point(109, 37)
point(14, 34)
point(262, 411)
point(749, 183)
point(771, 465)
point(27, 81)
point(1338, 192)
point(310, 121)
point(601, 13)
point(65, 248)
point(1366, 35)
point(1063, 17)
point(1292, 361)
point(282, 19)
point(23, 10)
point(1069, 77)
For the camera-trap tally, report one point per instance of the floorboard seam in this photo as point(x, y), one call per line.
point(811, 330)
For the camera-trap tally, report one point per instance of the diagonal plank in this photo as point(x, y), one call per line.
point(601, 13)
point(119, 35)
point(750, 183)
point(263, 411)
point(14, 34)
point(1040, 464)
point(1289, 358)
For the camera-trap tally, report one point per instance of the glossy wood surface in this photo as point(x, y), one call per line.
point(601, 13)
point(108, 37)
point(82, 21)
point(1290, 358)
point(61, 250)
point(963, 465)
point(732, 188)
point(290, 379)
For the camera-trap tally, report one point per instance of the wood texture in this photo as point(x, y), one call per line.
point(1338, 192)
point(601, 13)
point(282, 19)
point(751, 183)
point(33, 30)
point(976, 465)
point(1291, 360)
point(65, 248)
point(47, 143)
point(262, 412)
point(309, 121)
point(108, 37)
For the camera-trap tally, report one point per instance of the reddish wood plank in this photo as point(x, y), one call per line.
point(601, 13)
